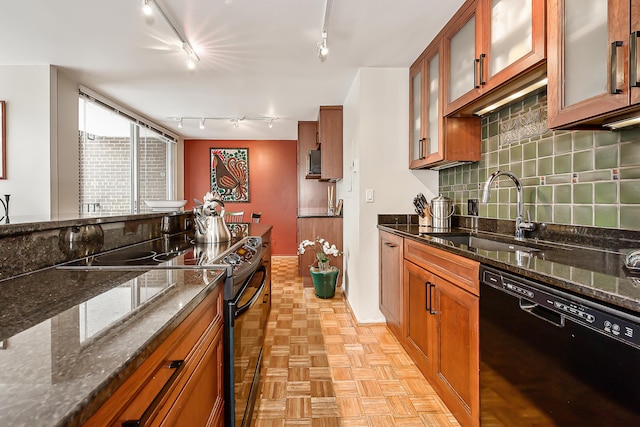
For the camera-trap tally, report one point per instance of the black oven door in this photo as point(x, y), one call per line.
point(245, 323)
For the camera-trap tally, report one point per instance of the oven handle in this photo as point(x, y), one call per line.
point(255, 296)
point(541, 312)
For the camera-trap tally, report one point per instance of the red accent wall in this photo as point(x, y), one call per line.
point(272, 184)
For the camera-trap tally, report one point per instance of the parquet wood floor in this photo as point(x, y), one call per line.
point(322, 369)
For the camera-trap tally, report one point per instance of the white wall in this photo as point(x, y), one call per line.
point(27, 92)
point(376, 141)
point(66, 175)
point(42, 143)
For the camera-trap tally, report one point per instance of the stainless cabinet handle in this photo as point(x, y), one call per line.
point(482, 80)
point(422, 148)
point(614, 68)
point(633, 59)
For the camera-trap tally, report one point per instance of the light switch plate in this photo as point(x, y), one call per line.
point(368, 195)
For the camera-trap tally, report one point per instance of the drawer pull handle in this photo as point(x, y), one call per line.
point(173, 364)
point(391, 245)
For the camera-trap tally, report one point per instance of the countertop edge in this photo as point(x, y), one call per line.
point(575, 287)
point(86, 408)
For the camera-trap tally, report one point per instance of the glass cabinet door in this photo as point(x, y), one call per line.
point(513, 41)
point(425, 111)
point(585, 39)
point(416, 106)
point(433, 115)
point(462, 61)
point(588, 59)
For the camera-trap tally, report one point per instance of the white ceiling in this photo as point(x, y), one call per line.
point(258, 57)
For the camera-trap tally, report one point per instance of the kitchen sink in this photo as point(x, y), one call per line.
point(475, 242)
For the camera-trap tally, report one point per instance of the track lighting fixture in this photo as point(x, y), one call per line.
point(323, 49)
point(233, 119)
point(192, 56)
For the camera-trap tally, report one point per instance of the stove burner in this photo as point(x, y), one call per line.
point(137, 257)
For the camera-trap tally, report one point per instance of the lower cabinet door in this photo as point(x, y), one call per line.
point(456, 366)
point(420, 338)
point(390, 248)
point(200, 401)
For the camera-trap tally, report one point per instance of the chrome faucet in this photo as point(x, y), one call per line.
point(521, 225)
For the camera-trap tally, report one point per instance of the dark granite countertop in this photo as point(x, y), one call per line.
point(70, 338)
point(583, 268)
point(318, 215)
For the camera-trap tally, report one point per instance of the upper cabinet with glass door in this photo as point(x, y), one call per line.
point(425, 109)
point(593, 61)
point(437, 141)
point(488, 43)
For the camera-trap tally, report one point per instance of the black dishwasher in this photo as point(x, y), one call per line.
point(550, 358)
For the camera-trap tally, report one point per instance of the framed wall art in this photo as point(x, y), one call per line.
point(3, 141)
point(230, 174)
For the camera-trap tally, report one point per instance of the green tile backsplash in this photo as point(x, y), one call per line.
point(587, 178)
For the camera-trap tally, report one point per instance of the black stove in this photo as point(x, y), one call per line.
point(239, 257)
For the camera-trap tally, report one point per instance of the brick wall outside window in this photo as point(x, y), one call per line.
point(105, 174)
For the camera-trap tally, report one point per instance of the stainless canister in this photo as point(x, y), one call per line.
point(441, 209)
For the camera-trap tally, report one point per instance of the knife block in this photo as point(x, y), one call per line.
point(425, 222)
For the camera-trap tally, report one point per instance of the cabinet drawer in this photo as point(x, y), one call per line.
point(459, 270)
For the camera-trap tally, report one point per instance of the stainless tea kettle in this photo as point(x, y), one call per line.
point(210, 225)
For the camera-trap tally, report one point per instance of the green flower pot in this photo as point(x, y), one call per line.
point(324, 282)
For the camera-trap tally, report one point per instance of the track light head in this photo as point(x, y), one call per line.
point(323, 49)
point(180, 122)
point(146, 7)
point(201, 123)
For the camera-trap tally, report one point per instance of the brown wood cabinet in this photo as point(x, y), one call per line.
point(328, 228)
point(330, 141)
point(436, 141)
point(180, 383)
point(441, 296)
point(440, 314)
point(489, 43)
point(312, 193)
point(593, 67)
point(391, 257)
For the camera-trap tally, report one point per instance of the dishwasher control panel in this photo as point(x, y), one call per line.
point(604, 319)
